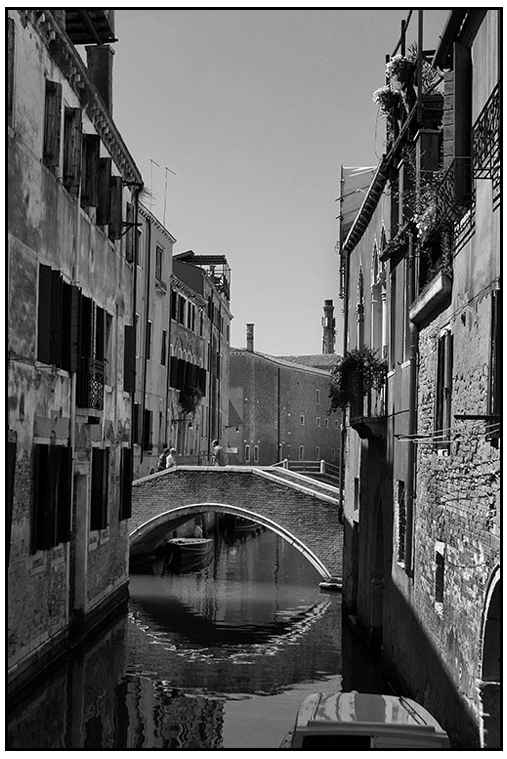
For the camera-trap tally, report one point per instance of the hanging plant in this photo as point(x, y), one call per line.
point(189, 400)
point(400, 68)
point(387, 100)
point(358, 372)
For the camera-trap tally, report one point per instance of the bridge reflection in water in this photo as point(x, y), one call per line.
point(216, 659)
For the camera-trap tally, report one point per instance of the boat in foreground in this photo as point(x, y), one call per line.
point(364, 721)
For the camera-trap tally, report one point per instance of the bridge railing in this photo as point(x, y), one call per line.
point(318, 467)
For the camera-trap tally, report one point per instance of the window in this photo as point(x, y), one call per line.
point(92, 355)
point(72, 150)
point(326, 424)
point(402, 519)
point(163, 351)
point(392, 332)
point(149, 338)
point(136, 424)
point(336, 424)
point(129, 359)
point(126, 477)
point(317, 397)
point(317, 421)
point(333, 454)
point(108, 371)
point(439, 575)
point(52, 125)
point(147, 430)
point(301, 452)
point(443, 391)
point(159, 253)
point(256, 454)
point(52, 487)
point(99, 489)
point(247, 454)
point(302, 420)
point(317, 454)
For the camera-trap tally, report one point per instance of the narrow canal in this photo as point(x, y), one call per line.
point(215, 659)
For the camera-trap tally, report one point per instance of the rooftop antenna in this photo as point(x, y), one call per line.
point(165, 189)
point(151, 181)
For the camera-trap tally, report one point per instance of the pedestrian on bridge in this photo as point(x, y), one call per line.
point(171, 459)
point(162, 460)
point(218, 454)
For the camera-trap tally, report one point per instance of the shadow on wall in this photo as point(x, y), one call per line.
point(412, 662)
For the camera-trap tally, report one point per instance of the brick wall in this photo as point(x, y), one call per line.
point(307, 516)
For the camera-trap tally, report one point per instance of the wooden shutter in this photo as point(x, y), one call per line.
point(147, 430)
point(100, 325)
point(130, 233)
point(74, 307)
point(99, 489)
point(104, 191)
point(56, 318)
point(52, 124)
point(72, 151)
point(63, 512)
point(129, 359)
point(85, 340)
point(44, 315)
point(116, 208)
point(126, 476)
point(462, 112)
point(90, 175)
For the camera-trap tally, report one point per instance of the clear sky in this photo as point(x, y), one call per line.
point(255, 111)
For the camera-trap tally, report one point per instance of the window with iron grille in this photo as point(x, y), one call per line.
point(402, 519)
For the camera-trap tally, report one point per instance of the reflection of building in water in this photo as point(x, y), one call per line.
point(90, 704)
point(159, 716)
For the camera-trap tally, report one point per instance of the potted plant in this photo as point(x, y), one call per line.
point(401, 69)
point(387, 100)
point(354, 375)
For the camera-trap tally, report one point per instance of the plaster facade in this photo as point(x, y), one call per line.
point(70, 303)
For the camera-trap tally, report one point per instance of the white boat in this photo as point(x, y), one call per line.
point(364, 721)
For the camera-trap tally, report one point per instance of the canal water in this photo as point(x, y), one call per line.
point(215, 659)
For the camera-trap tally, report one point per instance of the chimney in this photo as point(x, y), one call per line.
point(99, 59)
point(250, 337)
point(328, 328)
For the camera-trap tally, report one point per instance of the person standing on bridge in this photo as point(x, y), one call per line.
point(171, 459)
point(218, 454)
point(162, 460)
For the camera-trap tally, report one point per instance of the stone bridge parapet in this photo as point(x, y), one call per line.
point(304, 512)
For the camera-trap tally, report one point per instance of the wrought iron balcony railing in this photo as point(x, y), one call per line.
point(90, 383)
point(486, 139)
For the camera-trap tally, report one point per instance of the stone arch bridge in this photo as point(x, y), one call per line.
point(302, 510)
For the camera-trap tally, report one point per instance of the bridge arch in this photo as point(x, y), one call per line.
point(166, 518)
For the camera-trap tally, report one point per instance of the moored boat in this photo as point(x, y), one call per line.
point(188, 554)
point(364, 721)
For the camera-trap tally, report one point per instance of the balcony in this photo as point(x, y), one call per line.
point(368, 415)
point(486, 142)
point(90, 384)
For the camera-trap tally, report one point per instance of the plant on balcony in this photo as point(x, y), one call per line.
point(401, 68)
point(189, 400)
point(359, 371)
point(387, 100)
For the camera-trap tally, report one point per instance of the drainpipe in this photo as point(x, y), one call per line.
point(412, 415)
point(146, 314)
point(279, 436)
point(137, 190)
